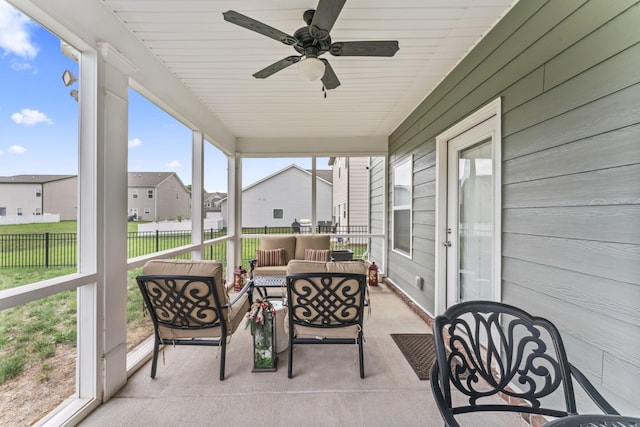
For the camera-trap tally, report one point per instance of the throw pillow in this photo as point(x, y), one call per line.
point(268, 257)
point(317, 255)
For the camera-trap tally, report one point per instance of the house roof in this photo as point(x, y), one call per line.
point(148, 179)
point(326, 174)
point(214, 195)
point(320, 174)
point(33, 179)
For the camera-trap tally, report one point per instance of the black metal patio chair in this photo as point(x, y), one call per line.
point(326, 308)
point(189, 305)
point(488, 351)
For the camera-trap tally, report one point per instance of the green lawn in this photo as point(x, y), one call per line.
point(30, 333)
point(53, 227)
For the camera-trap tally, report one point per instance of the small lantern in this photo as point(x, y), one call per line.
point(262, 318)
point(373, 274)
point(239, 275)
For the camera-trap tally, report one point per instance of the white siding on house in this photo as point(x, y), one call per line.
point(20, 196)
point(289, 190)
point(61, 197)
point(350, 191)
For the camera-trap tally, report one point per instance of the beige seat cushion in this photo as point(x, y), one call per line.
point(310, 241)
point(288, 243)
point(270, 270)
point(307, 332)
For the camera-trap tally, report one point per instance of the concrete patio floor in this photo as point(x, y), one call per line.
point(326, 389)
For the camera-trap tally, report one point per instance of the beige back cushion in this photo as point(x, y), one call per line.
point(296, 266)
point(288, 243)
point(186, 267)
point(310, 241)
point(234, 315)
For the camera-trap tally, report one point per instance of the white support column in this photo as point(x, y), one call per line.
point(234, 214)
point(314, 196)
point(112, 158)
point(197, 188)
point(90, 297)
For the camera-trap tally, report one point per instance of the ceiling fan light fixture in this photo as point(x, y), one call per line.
point(311, 68)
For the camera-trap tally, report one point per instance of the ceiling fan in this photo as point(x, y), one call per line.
point(312, 41)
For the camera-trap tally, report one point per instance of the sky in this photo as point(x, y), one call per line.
point(39, 117)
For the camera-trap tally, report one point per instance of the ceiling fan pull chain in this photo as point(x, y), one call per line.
point(325, 92)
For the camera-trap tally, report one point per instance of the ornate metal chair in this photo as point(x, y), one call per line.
point(325, 308)
point(189, 305)
point(487, 349)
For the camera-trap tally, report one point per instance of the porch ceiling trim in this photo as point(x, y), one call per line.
point(313, 146)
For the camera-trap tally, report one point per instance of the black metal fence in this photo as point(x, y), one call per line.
point(38, 250)
point(60, 249)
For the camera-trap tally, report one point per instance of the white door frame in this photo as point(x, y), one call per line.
point(490, 111)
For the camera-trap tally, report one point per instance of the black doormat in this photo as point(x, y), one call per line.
point(419, 351)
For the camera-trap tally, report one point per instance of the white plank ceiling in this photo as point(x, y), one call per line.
point(216, 59)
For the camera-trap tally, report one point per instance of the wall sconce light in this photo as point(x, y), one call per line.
point(68, 78)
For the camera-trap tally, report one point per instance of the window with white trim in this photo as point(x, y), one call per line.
point(402, 181)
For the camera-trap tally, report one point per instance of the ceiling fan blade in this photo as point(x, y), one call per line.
point(329, 79)
point(364, 48)
point(257, 26)
point(277, 66)
point(324, 17)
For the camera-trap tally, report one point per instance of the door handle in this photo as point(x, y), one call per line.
point(447, 244)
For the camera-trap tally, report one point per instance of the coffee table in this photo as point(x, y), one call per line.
point(263, 283)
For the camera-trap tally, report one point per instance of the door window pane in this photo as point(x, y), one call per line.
point(475, 224)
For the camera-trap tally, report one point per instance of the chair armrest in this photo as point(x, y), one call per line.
point(248, 287)
point(441, 402)
point(252, 266)
point(597, 398)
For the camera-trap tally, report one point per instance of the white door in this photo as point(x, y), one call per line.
point(469, 203)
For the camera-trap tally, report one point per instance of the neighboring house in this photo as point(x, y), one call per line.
point(282, 197)
point(27, 195)
point(350, 191)
point(213, 201)
point(157, 196)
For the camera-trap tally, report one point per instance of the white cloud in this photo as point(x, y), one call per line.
point(135, 142)
point(23, 66)
point(29, 117)
point(16, 149)
point(14, 32)
point(0, 152)
point(174, 165)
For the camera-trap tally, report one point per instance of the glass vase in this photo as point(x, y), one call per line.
point(265, 359)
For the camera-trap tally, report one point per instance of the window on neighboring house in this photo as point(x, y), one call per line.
point(177, 196)
point(38, 211)
point(402, 206)
point(135, 193)
point(38, 192)
point(278, 214)
point(149, 194)
point(3, 211)
point(147, 211)
point(19, 212)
